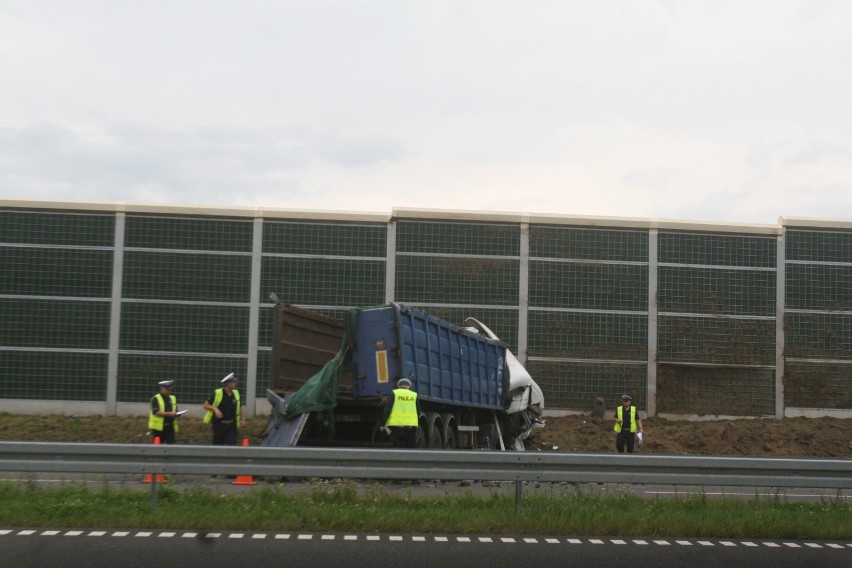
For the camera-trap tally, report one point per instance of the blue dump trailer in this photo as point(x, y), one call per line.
point(330, 380)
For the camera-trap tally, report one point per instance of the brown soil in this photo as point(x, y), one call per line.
point(816, 437)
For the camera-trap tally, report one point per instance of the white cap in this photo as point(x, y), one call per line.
point(230, 378)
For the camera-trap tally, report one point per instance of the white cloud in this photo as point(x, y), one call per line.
point(724, 111)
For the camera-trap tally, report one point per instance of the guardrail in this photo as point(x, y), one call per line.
point(447, 465)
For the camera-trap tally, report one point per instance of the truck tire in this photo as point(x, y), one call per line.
point(448, 421)
point(449, 438)
point(434, 441)
point(420, 439)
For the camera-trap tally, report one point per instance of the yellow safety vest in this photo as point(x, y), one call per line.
point(619, 412)
point(404, 411)
point(157, 422)
point(217, 400)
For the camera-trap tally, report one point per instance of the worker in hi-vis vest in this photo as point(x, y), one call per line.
point(162, 418)
point(627, 425)
point(225, 412)
point(401, 415)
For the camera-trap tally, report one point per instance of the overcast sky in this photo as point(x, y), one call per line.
point(698, 110)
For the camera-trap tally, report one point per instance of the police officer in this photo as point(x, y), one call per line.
point(225, 412)
point(627, 423)
point(162, 420)
point(401, 415)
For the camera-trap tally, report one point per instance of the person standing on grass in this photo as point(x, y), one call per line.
point(225, 412)
point(627, 424)
point(401, 415)
point(162, 420)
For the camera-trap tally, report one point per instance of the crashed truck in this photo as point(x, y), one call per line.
point(330, 379)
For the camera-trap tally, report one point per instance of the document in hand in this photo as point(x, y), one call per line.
point(181, 412)
point(639, 437)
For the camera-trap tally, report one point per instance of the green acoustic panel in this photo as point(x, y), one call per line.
point(187, 277)
point(326, 239)
point(264, 373)
point(195, 377)
point(818, 335)
point(504, 323)
point(715, 291)
point(65, 229)
point(45, 375)
point(188, 233)
point(726, 391)
point(588, 335)
point(438, 280)
point(716, 340)
point(55, 324)
point(56, 272)
point(324, 281)
point(575, 386)
point(717, 250)
point(818, 385)
point(184, 328)
point(458, 238)
point(573, 243)
point(812, 287)
point(588, 286)
point(818, 246)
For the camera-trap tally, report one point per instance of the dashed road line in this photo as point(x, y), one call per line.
point(426, 538)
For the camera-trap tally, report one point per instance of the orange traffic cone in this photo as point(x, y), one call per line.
point(244, 479)
point(161, 478)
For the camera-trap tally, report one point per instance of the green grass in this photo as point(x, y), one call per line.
point(344, 506)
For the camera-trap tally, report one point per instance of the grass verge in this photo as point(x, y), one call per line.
point(344, 507)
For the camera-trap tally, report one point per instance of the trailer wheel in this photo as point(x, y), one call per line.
point(449, 438)
point(420, 439)
point(448, 421)
point(434, 441)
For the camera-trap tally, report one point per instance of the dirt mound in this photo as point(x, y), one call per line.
point(815, 437)
point(826, 437)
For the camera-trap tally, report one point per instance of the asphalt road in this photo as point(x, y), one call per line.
point(23, 548)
